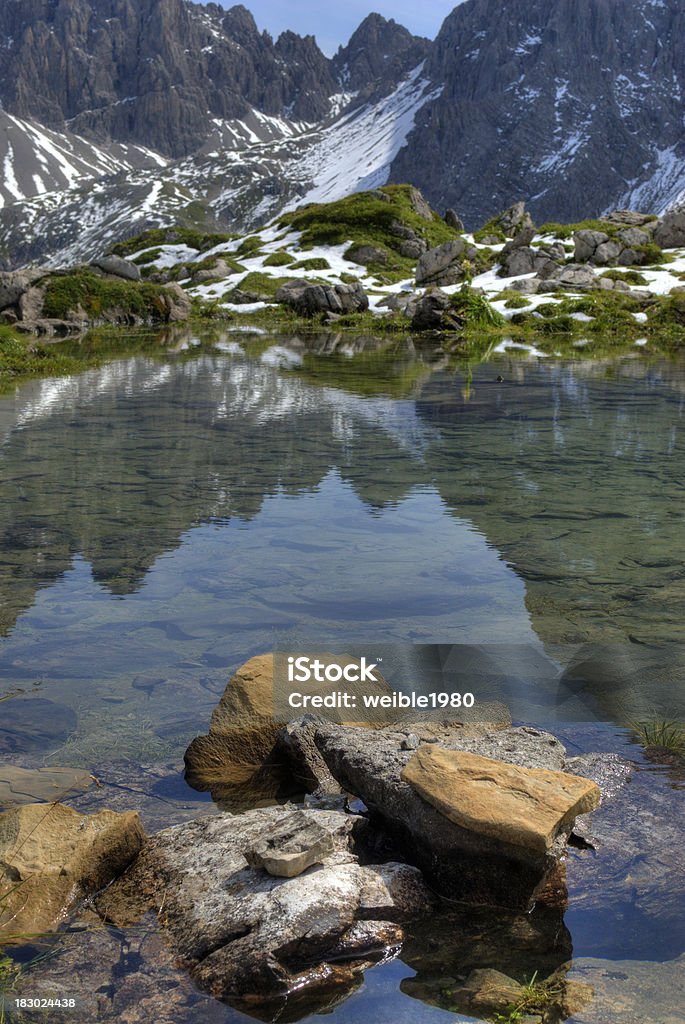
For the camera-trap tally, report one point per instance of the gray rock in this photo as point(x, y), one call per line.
point(573, 277)
point(670, 231)
point(607, 253)
point(634, 237)
point(631, 218)
point(403, 302)
point(522, 238)
point(640, 991)
point(309, 299)
point(517, 262)
point(31, 303)
point(296, 741)
point(434, 262)
point(586, 242)
point(410, 742)
point(117, 267)
point(516, 218)
point(413, 248)
point(400, 230)
point(459, 863)
point(419, 205)
point(14, 283)
point(429, 311)
point(176, 304)
point(256, 940)
point(363, 255)
point(453, 220)
point(292, 845)
point(527, 285)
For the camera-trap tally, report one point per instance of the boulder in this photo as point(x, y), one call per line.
point(257, 941)
point(51, 857)
point(366, 254)
point(402, 302)
point(247, 755)
point(607, 253)
point(434, 264)
point(516, 218)
point(525, 806)
point(573, 277)
point(586, 242)
point(175, 304)
point(413, 248)
point(631, 218)
point(461, 863)
point(517, 262)
point(31, 303)
point(430, 311)
point(419, 205)
point(117, 267)
point(526, 285)
point(309, 299)
point(453, 220)
point(13, 284)
point(670, 230)
point(296, 741)
point(634, 237)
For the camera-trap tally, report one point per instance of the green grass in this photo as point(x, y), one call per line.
point(249, 246)
point(279, 259)
point(366, 219)
point(315, 263)
point(156, 237)
point(491, 227)
point(563, 231)
point(629, 276)
point(98, 296)
point(661, 733)
point(476, 309)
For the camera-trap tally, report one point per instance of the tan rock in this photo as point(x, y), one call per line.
point(28, 786)
point(238, 761)
point(488, 991)
point(51, 857)
point(523, 806)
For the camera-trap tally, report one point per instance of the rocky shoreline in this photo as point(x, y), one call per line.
point(380, 259)
point(280, 905)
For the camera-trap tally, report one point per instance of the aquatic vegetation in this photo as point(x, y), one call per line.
point(661, 733)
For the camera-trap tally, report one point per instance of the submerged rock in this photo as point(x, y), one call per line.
point(27, 786)
point(631, 991)
point(259, 941)
point(51, 857)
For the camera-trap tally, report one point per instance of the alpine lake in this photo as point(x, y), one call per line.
point(205, 496)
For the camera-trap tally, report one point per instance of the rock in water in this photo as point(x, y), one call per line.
point(524, 806)
point(246, 758)
point(461, 863)
point(51, 857)
point(26, 786)
point(258, 941)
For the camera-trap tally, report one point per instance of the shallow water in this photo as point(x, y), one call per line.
point(163, 519)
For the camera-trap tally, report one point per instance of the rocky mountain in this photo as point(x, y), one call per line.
point(182, 112)
point(574, 105)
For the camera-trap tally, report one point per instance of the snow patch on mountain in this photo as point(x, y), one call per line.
point(357, 153)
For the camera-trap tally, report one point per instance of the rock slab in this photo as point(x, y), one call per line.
point(524, 806)
point(51, 857)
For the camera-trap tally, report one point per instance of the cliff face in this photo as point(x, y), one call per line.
point(575, 105)
point(153, 71)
